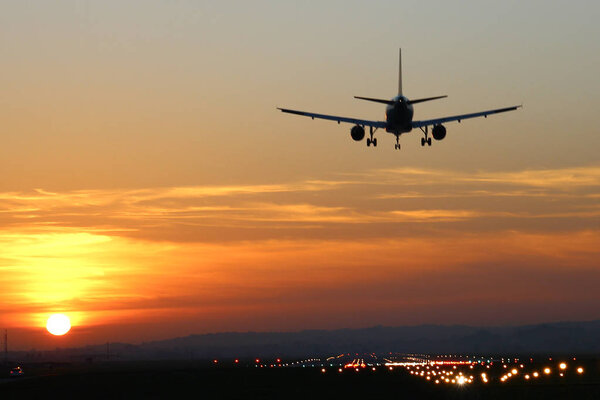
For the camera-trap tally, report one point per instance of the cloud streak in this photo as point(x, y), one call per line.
point(390, 239)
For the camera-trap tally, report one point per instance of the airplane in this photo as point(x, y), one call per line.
point(399, 117)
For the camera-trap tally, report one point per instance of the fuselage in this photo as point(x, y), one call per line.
point(399, 115)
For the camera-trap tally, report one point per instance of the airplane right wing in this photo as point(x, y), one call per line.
point(362, 122)
point(421, 124)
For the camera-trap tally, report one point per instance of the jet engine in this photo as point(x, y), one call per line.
point(357, 132)
point(438, 132)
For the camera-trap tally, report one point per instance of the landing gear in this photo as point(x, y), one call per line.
point(397, 145)
point(425, 139)
point(372, 140)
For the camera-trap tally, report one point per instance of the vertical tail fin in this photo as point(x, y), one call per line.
point(400, 72)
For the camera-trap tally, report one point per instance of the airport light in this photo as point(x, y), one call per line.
point(562, 366)
point(547, 371)
point(535, 374)
point(514, 371)
point(580, 370)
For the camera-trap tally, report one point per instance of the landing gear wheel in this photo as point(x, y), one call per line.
point(428, 141)
point(374, 141)
point(397, 147)
point(422, 141)
point(368, 142)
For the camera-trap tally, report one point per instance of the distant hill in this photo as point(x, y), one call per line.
point(554, 338)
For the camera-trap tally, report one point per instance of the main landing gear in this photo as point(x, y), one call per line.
point(425, 139)
point(397, 145)
point(372, 140)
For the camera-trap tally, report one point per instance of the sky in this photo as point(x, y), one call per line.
point(150, 189)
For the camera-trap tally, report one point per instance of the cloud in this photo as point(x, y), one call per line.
point(374, 200)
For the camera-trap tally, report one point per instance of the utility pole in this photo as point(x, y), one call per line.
point(6, 346)
point(107, 351)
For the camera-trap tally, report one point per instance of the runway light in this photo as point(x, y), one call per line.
point(514, 371)
point(323, 370)
point(562, 366)
point(527, 377)
point(339, 370)
point(535, 374)
point(580, 370)
point(547, 371)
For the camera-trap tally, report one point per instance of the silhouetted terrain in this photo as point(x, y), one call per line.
point(550, 338)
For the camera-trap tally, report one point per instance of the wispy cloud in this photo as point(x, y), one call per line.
point(369, 199)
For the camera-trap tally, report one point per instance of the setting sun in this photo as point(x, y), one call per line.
point(58, 324)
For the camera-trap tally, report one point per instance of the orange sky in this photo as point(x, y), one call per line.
point(398, 246)
point(150, 189)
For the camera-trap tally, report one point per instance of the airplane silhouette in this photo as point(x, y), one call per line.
point(399, 117)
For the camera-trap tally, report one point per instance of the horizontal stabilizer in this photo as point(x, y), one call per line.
point(426, 99)
point(391, 102)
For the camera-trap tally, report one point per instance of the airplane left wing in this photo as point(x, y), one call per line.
point(421, 124)
point(363, 122)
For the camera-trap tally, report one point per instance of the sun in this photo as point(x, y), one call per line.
point(58, 324)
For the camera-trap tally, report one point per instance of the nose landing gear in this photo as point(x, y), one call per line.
point(397, 145)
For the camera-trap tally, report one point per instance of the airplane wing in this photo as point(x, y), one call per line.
point(420, 124)
point(363, 122)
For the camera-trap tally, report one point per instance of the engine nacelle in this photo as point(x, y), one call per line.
point(438, 132)
point(357, 132)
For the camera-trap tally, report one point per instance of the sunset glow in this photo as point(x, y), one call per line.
point(58, 324)
point(150, 189)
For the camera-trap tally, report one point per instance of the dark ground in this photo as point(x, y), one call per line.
point(180, 379)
